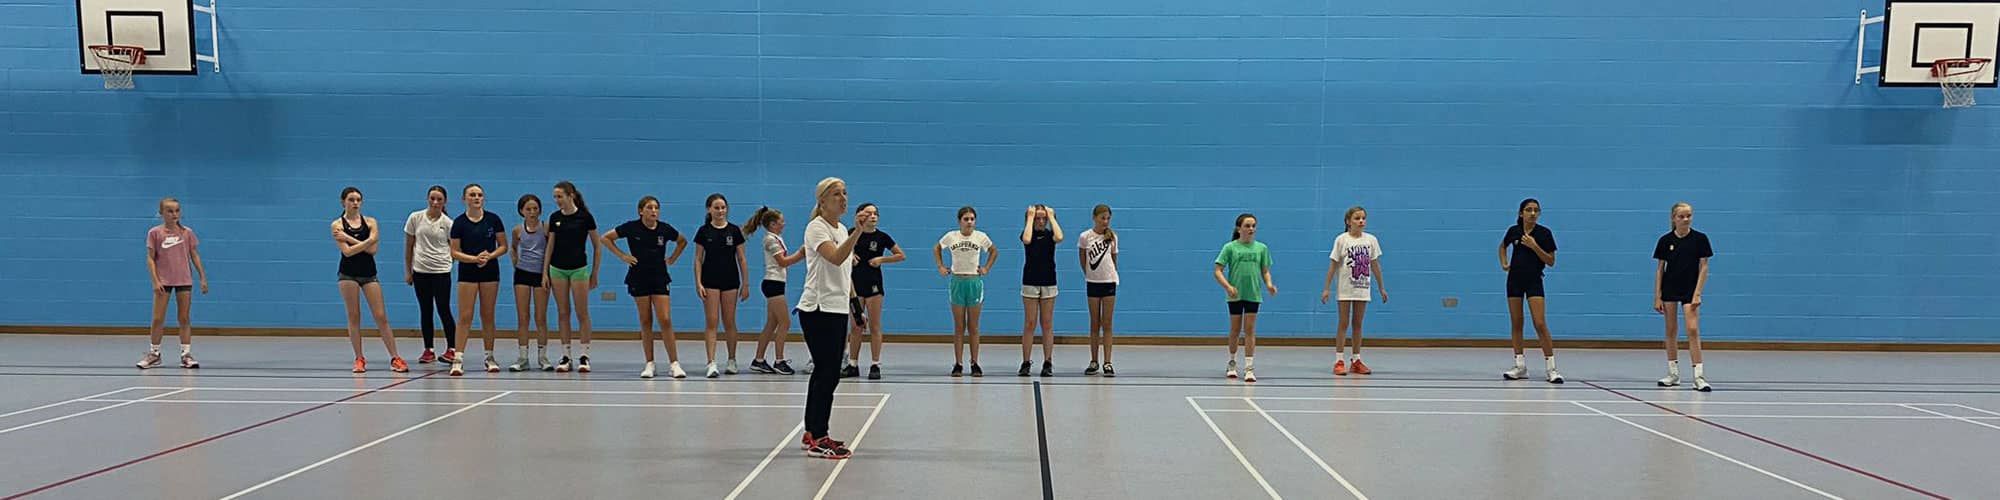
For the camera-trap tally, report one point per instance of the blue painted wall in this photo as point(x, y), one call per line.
point(1840, 212)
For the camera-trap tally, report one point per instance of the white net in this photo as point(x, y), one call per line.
point(116, 63)
point(1956, 78)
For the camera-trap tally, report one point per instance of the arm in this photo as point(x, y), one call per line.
point(992, 254)
point(199, 270)
point(605, 241)
point(1028, 228)
point(1332, 266)
point(374, 243)
point(1057, 226)
point(1381, 285)
point(1083, 258)
point(409, 257)
point(548, 259)
point(1659, 270)
point(895, 255)
point(1699, 282)
point(836, 254)
point(515, 235)
point(1503, 257)
point(459, 255)
point(1224, 281)
point(500, 247)
point(681, 245)
point(700, 255)
point(1548, 259)
point(152, 268)
point(1268, 285)
point(348, 247)
point(794, 258)
point(937, 251)
point(597, 256)
point(742, 273)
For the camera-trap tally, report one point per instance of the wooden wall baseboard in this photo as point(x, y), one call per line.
point(1128, 340)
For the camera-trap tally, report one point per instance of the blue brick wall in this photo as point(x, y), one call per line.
point(1840, 212)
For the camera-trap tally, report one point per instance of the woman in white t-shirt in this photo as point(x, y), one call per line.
point(1097, 252)
point(1355, 270)
point(968, 288)
point(777, 323)
point(824, 307)
point(427, 268)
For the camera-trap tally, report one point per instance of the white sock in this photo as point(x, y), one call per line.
point(186, 349)
point(1520, 362)
point(566, 350)
point(1249, 362)
point(1674, 367)
point(1357, 357)
point(155, 350)
point(586, 348)
point(1552, 362)
point(1697, 370)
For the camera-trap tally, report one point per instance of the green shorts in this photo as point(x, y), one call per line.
point(578, 274)
point(968, 291)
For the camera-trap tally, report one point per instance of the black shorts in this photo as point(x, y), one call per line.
point(489, 273)
point(523, 277)
point(358, 280)
point(1242, 307)
point(1674, 295)
point(1100, 290)
point(866, 288)
point(721, 281)
point(644, 289)
point(774, 288)
point(1524, 286)
point(179, 289)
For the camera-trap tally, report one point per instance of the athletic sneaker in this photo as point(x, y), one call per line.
point(151, 359)
point(1108, 372)
point(1671, 380)
point(784, 367)
point(759, 366)
point(730, 369)
point(809, 367)
point(1025, 365)
point(428, 357)
point(827, 448)
point(491, 367)
point(360, 365)
point(1092, 369)
point(850, 370)
point(1048, 369)
point(1701, 384)
point(875, 371)
point(457, 369)
point(674, 370)
point(520, 363)
point(1231, 372)
point(1555, 377)
point(1340, 367)
point(543, 362)
point(1361, 368)
point(648, 372)
point(563, 365)
point(187, 361)
point(397, 365)
point(712, 373)
point(1519, 372)
point(449, 356)
point(1249, 374)
point(957, 370)
point(583, 364)
point(976, 372)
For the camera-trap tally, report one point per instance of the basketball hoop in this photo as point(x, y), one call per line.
point(116, 63)
point(1955, 78)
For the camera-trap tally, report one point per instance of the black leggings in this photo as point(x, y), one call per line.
point(434, 297)
point(825, 334)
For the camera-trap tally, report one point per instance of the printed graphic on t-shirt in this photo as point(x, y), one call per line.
point(1097, 252)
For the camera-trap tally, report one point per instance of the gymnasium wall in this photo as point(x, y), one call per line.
point(1838, 212)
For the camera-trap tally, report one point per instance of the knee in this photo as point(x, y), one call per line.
point(1693, 330)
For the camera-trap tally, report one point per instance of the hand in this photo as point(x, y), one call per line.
point(942, 271)
point(1325, 294)
point(1385, 295)
point(1271, 288)
point(1529, 240)
point(1696, 303)
point(1659, 306)
point(1506, 268)
point(672, 260)
point(593, 281)
point(157, 289)
point(742, 297)
point(875, 262)
point(628, 259)
point(548, 282)
point(1232, 291)
point(983, 271)
point(204, 286)
point(701, 292)
point(409, 279)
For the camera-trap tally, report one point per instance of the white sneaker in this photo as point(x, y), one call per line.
point(648, 372)
point(520, 363)
point(457, 368)
point(1671, 380)
point(1701, 384)
point(1555, 377)
point(1519, 372)
point(809, 367)
point(730, 369)
point(712, 372)
point(1250, 374)
point(674, 369)
point(491, 367)
point(542, 362)
point(1231, 372)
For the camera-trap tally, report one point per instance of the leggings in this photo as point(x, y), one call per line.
point(434, 298)
point(826, 334)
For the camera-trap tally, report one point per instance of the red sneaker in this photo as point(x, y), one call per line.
point(1361, 369)
point(427, 358)
point(360, 365)
point(397, 365)
point(1340, 367)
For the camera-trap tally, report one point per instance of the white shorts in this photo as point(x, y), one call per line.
point(1038, 292)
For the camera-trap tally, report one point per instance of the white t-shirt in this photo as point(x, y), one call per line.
point(1355, 278)
point(965, 250)
point(1098, 266)
point(826, 284)
point(433, 252)
point(774, 246)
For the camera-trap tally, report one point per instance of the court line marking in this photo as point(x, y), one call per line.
point(1975, 409)
point(87, 412)
point(60, 403)
point(1708, 451)
point(1233, 450)
point(496, 391)
point(1577, 414)
point(1955, 417)
point(1309, 453)
point(1562, 401)
point(451, 403)
point(851, 446)
point(788, 440)
point(358, 449)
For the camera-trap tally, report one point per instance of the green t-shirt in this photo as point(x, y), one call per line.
point(1244, 265)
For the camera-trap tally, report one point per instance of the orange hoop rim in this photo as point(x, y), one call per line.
point(130, 54)
point(1944, 67)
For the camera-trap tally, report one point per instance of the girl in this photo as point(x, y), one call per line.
point(776, 321)
point(570, 275)
point(356, 237)
point(968, 288)
point(1534, 249)
point(1244, 261)
point(478, 237)
point(1097, 253)
point(531, 299)
point(1677, 282)
point(824, 308)
point(1357, 263)
point(647, 279)
point(1039, 235)
point(170, 248)
point(718, 271)
point(427, 268)
point(875, 249)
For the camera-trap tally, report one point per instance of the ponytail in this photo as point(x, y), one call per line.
point(762, 217)
point(575, 196)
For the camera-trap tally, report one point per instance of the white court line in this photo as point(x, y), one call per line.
point(851, 446)
point(1954, 417)
point(1976, 409)
point(87, 412)
point(1232, 449)
point(1710, 452)
point(453, 403)
point(53, 405)
point(1576, 414)
point(363, 447)
point(1302, 447)
point(788, 440)
point(1561, 401)
point(497, 391)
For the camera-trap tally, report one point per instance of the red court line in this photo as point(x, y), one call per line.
point(1804, 453)
point(206, 440)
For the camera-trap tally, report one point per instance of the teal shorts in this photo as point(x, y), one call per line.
point(968, 291)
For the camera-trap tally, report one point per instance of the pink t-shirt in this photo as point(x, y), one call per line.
point(171, 254)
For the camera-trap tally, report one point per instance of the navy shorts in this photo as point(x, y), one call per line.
point(1242, 307)
point(1524, 286)
point(774, 288)
point(1099, 290)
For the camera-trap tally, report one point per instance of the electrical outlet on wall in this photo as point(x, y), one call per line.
point(1450, 302)
point(609, 296)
